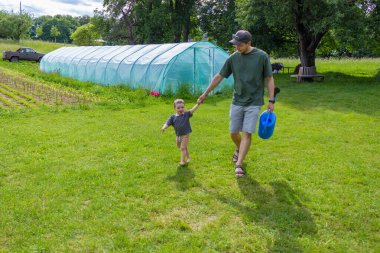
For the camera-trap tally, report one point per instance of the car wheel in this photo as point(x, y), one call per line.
point(14, 59)
point(39, 59)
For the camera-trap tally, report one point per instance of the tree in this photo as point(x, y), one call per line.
point(21, 23)
point(5, 25)
point(180, 12)
point(122, 13)
point(103, 24)
point(217, 19)
point(54, 32)
point(147, 21)
point(86, 35)
point(39, 31)
point(309, 20)
point(82, 20)
point(65, 24)
point(357, 34)
point(14, 26)
point(153, 25)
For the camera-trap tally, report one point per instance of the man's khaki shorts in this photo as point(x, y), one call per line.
point(243, 118)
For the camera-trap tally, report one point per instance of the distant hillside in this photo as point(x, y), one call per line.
point(39, 46)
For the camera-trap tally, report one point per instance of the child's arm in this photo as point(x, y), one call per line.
point(194, 108)
point(167, 124)
point(164, 127)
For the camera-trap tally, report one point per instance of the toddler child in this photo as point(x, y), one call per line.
point(181, 123)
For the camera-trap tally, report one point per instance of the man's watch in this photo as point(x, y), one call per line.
point(272, 101)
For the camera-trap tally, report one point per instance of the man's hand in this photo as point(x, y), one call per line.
point(201, 99)
point(214, 82)
point(270, 107)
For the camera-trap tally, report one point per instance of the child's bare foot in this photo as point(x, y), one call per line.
point(182, 164)
point(188, 160)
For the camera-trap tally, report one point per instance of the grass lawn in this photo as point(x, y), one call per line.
point(39, 46)
point(102, 178)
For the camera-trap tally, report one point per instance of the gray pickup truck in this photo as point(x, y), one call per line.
point(24, 53)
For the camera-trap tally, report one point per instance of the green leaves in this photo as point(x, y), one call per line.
point(14, 26)
point(85, 35)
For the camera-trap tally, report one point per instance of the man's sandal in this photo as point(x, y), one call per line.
point(235, 156)
point(239, 171)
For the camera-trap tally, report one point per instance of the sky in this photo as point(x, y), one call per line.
point(53, 7)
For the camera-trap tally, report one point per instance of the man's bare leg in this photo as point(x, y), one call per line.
point(245, 144)
point(236, 138)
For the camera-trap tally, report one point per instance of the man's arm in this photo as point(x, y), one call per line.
point(215, 82)
point(270, 82)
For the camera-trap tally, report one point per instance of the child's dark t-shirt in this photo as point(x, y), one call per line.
point(180, 123)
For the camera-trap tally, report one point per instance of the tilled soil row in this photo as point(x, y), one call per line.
point(45, 94)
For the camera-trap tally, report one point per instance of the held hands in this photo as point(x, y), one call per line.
point(201, 99)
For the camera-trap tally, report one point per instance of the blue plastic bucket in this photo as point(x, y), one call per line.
point(266, 124)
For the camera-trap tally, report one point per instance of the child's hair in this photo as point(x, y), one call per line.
point(178, 101)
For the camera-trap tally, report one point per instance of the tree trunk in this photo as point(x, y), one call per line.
point(308, 40)
point(307, 57)
point(307, 46)
point(129, 31)
point(177, 33)
point(187, 7)
point(177, 21)
point(186, 29)
point(129, 21)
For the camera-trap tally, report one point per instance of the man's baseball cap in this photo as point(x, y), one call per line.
point(241, 36)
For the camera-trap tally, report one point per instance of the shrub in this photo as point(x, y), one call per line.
point(184, 91)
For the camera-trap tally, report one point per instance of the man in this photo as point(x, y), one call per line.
point(251, 68)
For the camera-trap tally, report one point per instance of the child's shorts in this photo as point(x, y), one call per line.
point(180, 139)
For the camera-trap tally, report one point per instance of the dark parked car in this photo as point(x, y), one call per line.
point(23, 53)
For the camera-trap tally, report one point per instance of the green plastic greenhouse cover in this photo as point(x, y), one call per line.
point(157, 67)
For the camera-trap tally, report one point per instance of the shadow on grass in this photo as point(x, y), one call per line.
point(278, 209)
point(184, 178)
point(339, 92)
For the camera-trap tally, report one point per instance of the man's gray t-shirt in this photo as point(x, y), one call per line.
point(180, 123)
point(249, 71)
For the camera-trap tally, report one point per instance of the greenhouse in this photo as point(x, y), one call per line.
point(158, 67)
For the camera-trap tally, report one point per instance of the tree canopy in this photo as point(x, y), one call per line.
point(14, 25)
point(310, 20)
point(304, 28)
point(86, 35)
